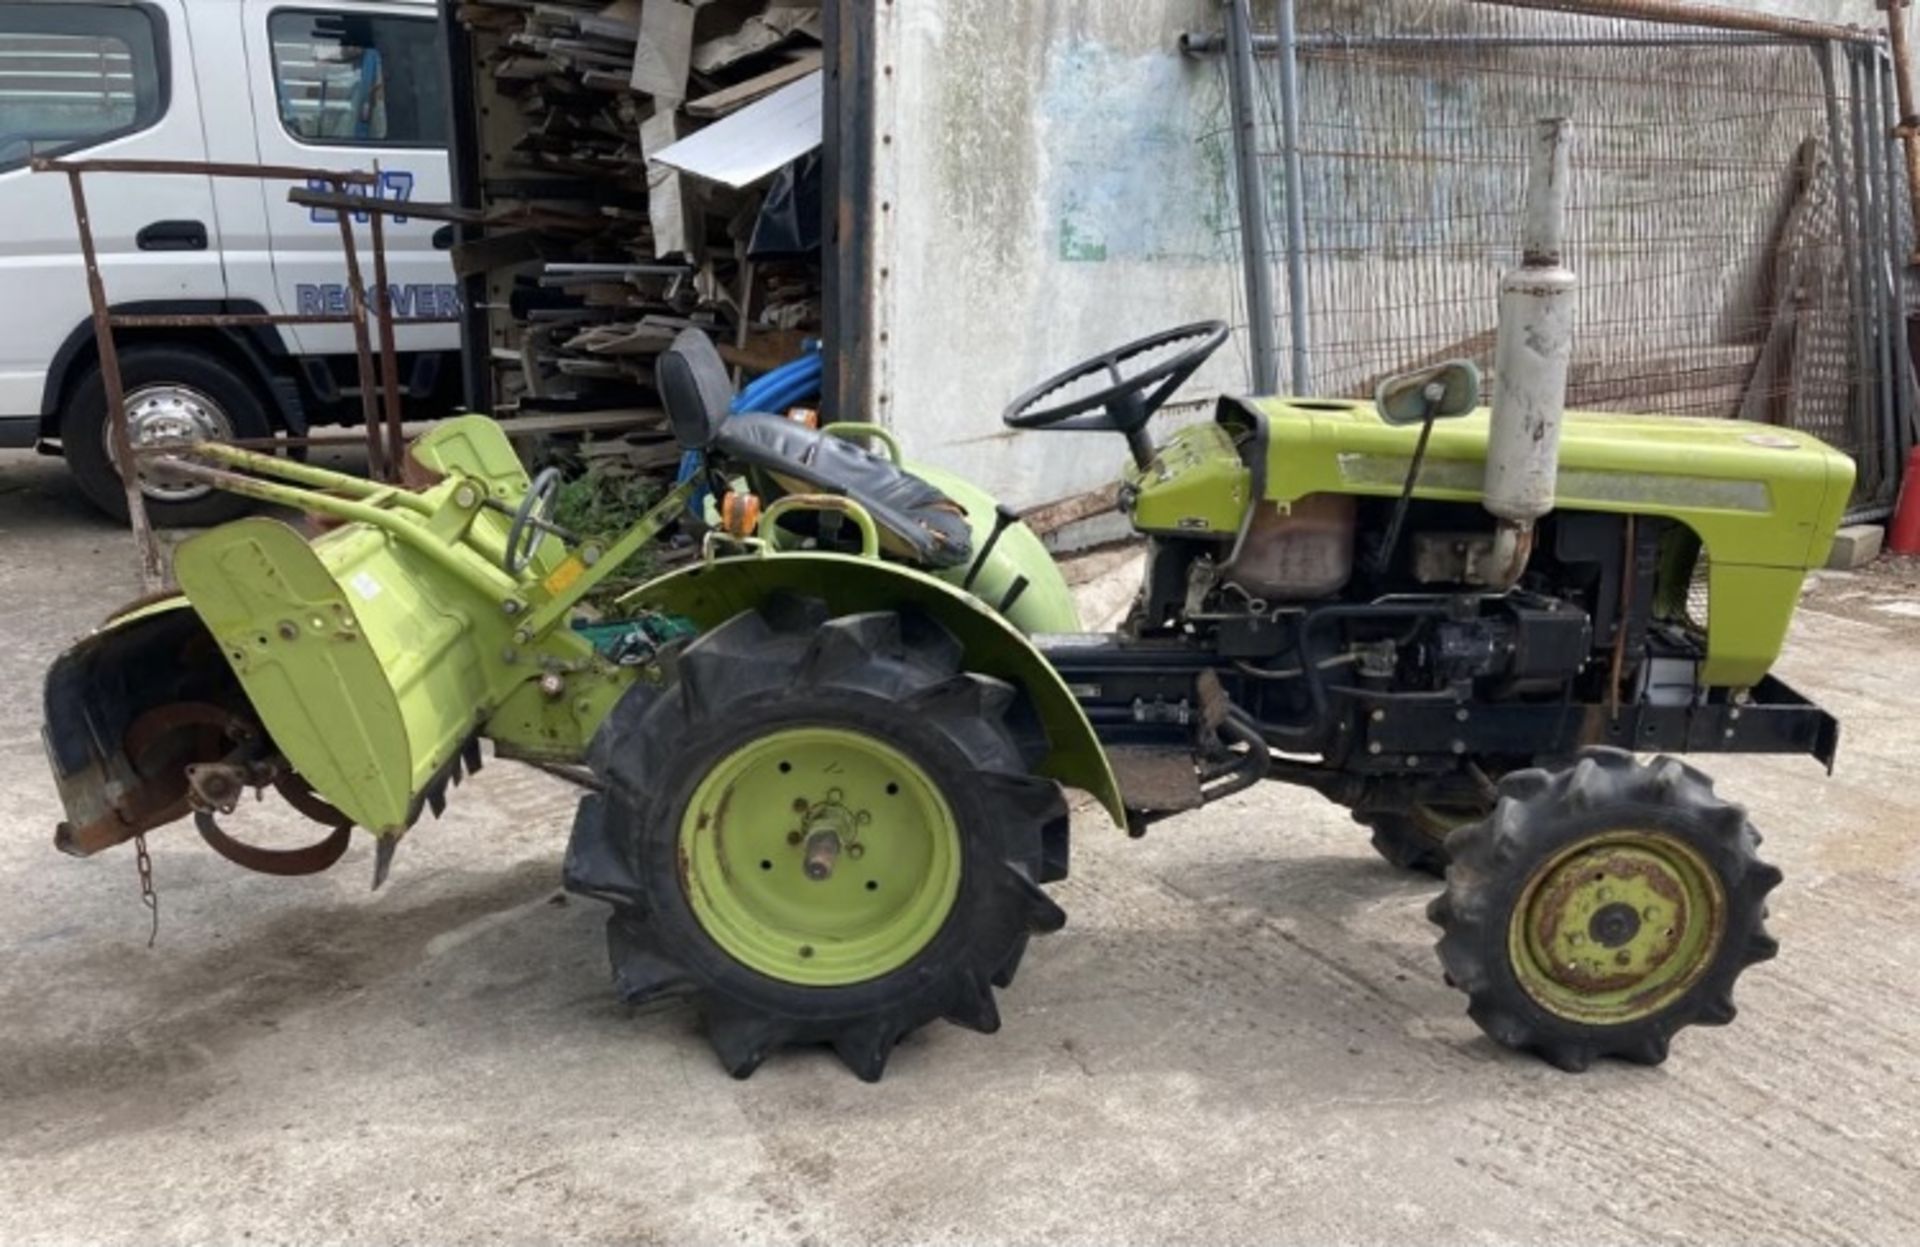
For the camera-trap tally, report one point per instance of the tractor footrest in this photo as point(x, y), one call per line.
point(1156, 781)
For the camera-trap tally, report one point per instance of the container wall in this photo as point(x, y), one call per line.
point(1053, 180)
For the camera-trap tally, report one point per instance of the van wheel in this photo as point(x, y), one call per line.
point(172, 393)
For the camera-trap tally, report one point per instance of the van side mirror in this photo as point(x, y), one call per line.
point(1443, 391)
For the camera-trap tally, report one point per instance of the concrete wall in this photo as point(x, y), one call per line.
point(1054, 179)
point(1054, 182)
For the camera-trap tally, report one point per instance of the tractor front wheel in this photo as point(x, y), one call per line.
point(1416, 838)
point(826, 830)
point(1601, 909)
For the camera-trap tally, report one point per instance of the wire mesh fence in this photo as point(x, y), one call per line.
point(1733, 220)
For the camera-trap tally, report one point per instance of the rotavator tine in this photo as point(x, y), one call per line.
point(383, 859)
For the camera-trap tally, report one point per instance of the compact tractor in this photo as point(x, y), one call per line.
point(826, 763)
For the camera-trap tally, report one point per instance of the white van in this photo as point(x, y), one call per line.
point(334, 84)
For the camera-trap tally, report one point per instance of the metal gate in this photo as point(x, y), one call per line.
point(1740, 221)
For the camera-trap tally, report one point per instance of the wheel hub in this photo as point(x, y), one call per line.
point(161, 415)
point(829, 828)
point(820, 856)
point(1614, 925)
point(1617, 927)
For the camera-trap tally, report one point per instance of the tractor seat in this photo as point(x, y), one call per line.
point(916, 521)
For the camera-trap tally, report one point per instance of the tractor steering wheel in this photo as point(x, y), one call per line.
point(531, 522)
point(1129, 402)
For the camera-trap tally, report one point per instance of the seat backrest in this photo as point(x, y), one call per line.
point(693, 383)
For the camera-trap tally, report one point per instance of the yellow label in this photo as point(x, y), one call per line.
point(564, 575)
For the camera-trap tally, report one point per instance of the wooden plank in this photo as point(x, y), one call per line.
point(720, 103)
point(767, 350)
point(1054, 516)
point(759, 33)
point(360, 205)
point(496, 251)
point(670, 210)
point(664, 54)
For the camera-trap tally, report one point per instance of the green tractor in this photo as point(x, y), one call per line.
point(826, 763)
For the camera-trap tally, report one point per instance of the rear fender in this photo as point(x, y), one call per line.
point(712, 593)
point(1017, 576)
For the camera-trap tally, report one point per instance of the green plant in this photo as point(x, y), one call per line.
point(598, 506)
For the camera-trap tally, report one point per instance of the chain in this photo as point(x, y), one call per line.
point(148, 897)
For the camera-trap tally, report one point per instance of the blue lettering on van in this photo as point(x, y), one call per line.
point(414, 302)
point(395, 184)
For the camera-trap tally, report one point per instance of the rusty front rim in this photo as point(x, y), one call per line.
point(1617, 927)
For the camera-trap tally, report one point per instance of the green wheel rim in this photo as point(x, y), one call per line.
point(1617, 927)
point(820, 857)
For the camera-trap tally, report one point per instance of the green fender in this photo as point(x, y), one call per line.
point(1019, 578)
point(712, 593)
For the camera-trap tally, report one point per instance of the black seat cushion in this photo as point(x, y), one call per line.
point(916, 520)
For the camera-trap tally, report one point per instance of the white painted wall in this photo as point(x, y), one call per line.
point(1057, 195)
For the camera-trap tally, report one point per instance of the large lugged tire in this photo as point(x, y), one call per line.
point(825, 830)
point(1603, 908)
point(171, 392)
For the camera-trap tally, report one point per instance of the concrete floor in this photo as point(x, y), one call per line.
point(1241, 1036)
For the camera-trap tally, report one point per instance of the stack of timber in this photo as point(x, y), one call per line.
point(613, 251)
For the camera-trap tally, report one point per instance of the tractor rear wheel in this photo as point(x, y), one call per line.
point(1603, 908)
point(825, 830)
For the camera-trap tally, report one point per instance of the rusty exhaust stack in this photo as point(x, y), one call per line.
point(1532, 361)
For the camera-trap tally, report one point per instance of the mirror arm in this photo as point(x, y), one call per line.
point(1434, 395)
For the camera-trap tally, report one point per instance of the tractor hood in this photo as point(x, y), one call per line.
point(1758, 495)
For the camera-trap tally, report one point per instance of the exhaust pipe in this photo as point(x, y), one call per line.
point(1532, 361)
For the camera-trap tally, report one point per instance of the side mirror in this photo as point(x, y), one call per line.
point(1446, 390)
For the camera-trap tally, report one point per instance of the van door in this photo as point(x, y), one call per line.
point(99, 80)
point(340, 84)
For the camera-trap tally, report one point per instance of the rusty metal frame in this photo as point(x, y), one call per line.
point(1907, 126)
point(850, 273)
point(1689, 13)
point(379, 403)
